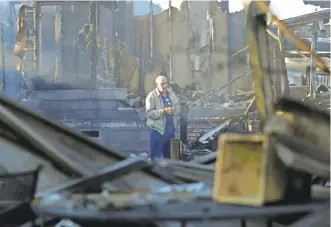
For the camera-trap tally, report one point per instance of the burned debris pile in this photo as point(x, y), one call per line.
point(195, 97)
point(238, 123)
point(207, 142)
point(297, 144)
point(216, 99)
point(321, 97)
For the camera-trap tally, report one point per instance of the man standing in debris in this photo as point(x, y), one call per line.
point(161, 107)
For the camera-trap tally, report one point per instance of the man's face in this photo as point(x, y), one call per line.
point(162, 85)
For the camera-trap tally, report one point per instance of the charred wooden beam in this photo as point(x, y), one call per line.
point(191, 49)
point(37, 26)
point(93, 47)
point(211, 38)
point(58, 42)
point(171, 80)
point(151, 30)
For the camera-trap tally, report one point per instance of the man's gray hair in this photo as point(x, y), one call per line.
point(158, 78)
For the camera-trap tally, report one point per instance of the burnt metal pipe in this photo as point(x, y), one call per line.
point(141, 76)
point(183, 121)
point(312, 73)
point(151, 30)
point(230, 43)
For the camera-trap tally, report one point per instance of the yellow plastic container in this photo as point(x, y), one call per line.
point(247, 171)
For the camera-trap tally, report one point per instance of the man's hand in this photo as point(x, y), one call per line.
point(169, 110)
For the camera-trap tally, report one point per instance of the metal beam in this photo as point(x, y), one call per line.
point(151, 31)
point(3, 57)
point(312, 59)
point(109, 173)
point(230, 58)
point(196, 210)
point(308, 18)
point(37, 34)
point(285, 90)
point(259, 58)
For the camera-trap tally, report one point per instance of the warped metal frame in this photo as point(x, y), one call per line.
point(259, 58)
point(307, 18)
point(256, 16)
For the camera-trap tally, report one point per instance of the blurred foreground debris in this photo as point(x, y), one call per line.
point(298, 144)
point(66, 223)
point(137, 192)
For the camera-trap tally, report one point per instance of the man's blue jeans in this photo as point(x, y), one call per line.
point(160, 144)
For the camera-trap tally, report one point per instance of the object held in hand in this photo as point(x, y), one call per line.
point(169, 110)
